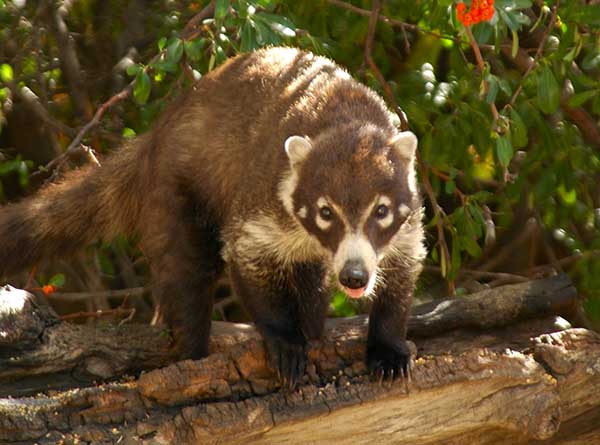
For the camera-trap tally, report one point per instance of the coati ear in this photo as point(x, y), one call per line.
point(405, 143)
point(297, 148)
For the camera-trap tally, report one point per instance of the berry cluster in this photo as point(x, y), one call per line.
point(480, 10)
point(49, 289)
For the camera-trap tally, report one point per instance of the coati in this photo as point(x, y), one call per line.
point(277, 163)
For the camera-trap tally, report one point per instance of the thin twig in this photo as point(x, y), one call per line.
point(390, 21)
point(483, 274)
point(189, 29)
point(121, 95)
point(99, 313)
point(373, 66)
point(81, 296)
point(564, 262)
point(481, 65)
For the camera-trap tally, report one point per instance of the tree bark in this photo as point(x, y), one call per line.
point(495, 383)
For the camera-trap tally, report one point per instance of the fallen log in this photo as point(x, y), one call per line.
point(510, 383)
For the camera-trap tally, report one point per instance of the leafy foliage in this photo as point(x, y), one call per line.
point(502, 143)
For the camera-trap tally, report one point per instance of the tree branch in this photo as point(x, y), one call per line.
point(503, 386)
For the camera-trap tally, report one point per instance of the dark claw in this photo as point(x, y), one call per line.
point(287, 359)
point(389, 361)
point(379, 375)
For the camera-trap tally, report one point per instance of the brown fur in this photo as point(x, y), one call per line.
point(213, 161)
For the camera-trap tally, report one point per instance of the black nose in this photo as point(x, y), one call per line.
point(354, 275)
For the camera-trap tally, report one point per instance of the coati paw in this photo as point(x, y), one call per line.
point(287, 359)
point(389, 361)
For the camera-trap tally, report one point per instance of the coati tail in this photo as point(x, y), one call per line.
point(87, 204)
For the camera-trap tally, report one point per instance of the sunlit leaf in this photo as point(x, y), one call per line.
point(57, 280)
point(6, 73)
point(142, 87)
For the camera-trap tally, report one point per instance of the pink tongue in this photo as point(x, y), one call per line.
point(355, 293)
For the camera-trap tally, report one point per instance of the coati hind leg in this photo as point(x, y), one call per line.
point(289, 305)
point(183, 247)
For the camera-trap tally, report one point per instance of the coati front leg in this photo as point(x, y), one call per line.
point(288, 304)
point(182, 244)
point(388, 354)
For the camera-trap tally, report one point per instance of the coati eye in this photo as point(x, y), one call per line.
point(382, 211)
point(326, 213)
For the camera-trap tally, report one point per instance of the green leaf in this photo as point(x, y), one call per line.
point(515, 44)
point(162, 65)
point(128, 133)
point(568, 196)
point(132, 70)
point(194, 49)
point(248, 39)
point(548, 91)
point(265, 35)
point(580, 98)
point(455, 258)
point(504, 150)
point(492, 88)
point(174, 51)
point(161, 43)
point(341, 306)
point(280, 24)
point(57, 280)
point(142, 87)
point(221, 8)
point(6, 73)
point(471, 246)
point(518, 130)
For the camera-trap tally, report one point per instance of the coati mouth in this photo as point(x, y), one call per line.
point(354, 293)
point(355, 279)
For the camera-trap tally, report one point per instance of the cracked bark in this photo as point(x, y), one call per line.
point(493, 384)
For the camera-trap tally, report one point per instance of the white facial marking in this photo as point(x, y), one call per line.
point(286, 189)
point(389, 218)
point(322, 223)
point(355, 246)
point(322, 202)
point(403, 210)
point(303, 212)
point(385, 200)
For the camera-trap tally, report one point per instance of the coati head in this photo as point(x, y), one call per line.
point(354, 189)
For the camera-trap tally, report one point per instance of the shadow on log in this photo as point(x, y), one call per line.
point(502, 381)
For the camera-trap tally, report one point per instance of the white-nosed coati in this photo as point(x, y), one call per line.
point(281, 165)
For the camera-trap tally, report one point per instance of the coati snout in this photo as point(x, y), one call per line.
point(278, 163)
point(354, 276)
